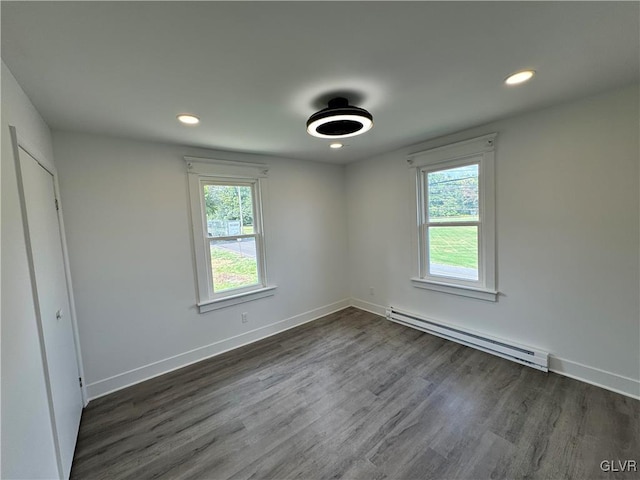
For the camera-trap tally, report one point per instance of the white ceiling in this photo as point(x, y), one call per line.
point(255, 71)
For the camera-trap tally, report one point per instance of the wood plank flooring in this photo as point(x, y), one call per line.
point(355, 396)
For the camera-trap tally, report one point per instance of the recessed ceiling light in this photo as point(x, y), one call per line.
point(519, 77)
point(188, 119)
point(339, 120)
point(336, 145)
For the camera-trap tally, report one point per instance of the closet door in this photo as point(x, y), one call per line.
point(52, 304)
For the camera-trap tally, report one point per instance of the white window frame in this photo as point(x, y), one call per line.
point(480, 151)
point(205, 171)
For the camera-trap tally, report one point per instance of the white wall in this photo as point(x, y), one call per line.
point(27, 436)
point(567, 237)
point(568, 246)
point(129, 238)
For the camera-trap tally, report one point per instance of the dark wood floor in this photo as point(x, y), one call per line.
point(355, 396)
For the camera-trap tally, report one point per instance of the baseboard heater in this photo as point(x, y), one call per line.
point(517, 353)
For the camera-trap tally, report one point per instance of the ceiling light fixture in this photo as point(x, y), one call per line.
point(519, 77)
point(339, 120)
point(336, 145)
point(188, 119)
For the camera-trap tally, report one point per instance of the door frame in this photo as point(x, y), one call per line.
point(18, 142)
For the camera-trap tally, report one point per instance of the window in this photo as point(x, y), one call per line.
point(226, 210)
point(452, 221)
point(456, 224)
point(232, 234)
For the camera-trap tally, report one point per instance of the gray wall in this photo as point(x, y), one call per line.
point(27, 435)
point(129, 236)
point(567, 237)
point(568, 254)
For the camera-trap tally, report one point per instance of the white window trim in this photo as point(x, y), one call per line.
point(482, 151)
point(204, 170)
point(236, 299)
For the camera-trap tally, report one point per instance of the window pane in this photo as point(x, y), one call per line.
point(453, 194)
point(229, 210)
point(453, 252)
point(233, 263)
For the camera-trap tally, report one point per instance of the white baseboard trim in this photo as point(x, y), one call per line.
point(368, 306)
point(594, 376)
point(155, 369)
point(591, 375)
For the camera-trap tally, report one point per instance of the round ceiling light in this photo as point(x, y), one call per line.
point(188, 119)
point(339, 120)
point(519, 77)
point(336, 145)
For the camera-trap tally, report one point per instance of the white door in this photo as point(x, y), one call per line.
point(53, 305)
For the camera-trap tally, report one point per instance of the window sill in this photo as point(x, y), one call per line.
point(236, 299)
point(479, 293)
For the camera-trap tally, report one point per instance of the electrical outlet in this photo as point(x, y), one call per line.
point(244, 317)
point(372, 291)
